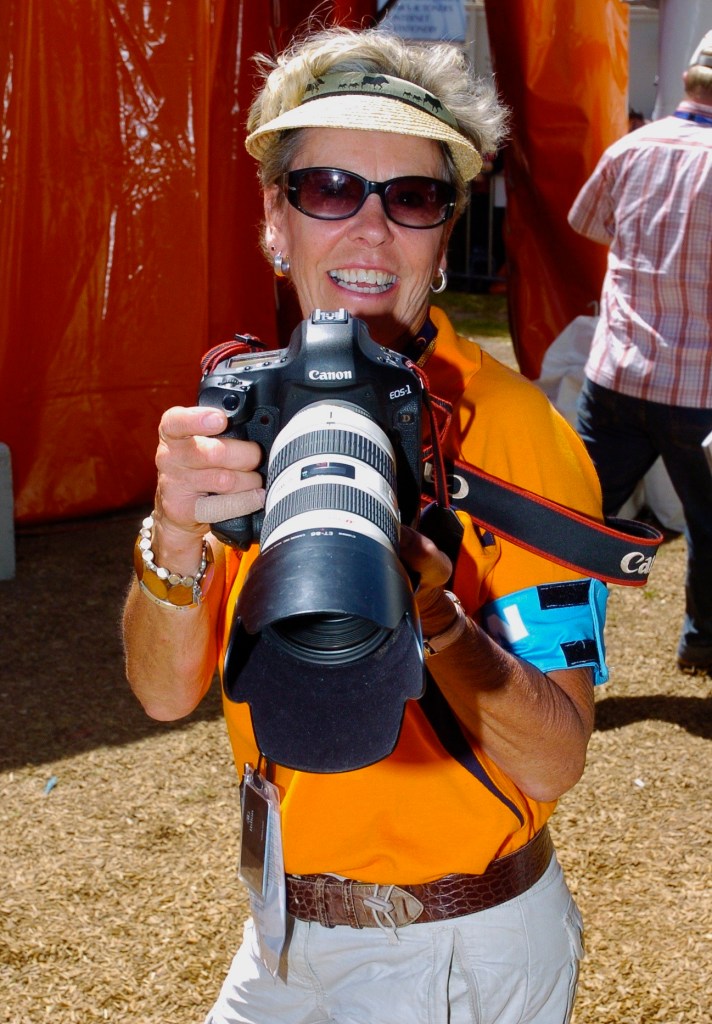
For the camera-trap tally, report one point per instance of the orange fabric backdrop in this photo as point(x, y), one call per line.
point(562, 67)
point(129, 211)
point(128, 229)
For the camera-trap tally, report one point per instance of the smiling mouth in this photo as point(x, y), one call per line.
point(368, 282)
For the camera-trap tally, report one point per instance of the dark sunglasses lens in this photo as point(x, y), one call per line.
point(419, 202)
point(328, 194)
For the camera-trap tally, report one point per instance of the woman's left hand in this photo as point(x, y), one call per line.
point(434, 569)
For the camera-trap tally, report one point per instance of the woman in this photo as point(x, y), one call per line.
point(366, 148)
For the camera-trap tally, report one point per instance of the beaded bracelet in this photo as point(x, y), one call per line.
point(166, 588)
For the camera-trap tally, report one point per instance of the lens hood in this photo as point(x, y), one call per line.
point(334, 704)
point(335, 575)
point(325, 718)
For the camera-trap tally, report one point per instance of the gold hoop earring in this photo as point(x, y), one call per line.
point(436, 289)
point(281, 265)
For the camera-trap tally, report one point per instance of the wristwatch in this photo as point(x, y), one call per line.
point(435, 644)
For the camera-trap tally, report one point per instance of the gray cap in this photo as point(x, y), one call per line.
point(702, 57)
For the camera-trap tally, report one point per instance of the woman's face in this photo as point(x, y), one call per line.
point(377, 270)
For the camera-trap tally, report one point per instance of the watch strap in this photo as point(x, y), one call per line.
point(435, 644)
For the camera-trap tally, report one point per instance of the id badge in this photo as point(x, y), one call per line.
point(261, 865)
point(254, 838)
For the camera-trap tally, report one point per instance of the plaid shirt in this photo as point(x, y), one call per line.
point(650, 200)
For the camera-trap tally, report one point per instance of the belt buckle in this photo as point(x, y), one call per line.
point(393, 908)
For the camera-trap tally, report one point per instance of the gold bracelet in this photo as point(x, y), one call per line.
point(165, 588)
point(435, 644)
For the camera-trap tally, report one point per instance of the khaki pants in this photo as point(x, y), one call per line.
point(517, 962)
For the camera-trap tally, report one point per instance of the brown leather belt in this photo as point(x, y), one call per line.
point(334, 901)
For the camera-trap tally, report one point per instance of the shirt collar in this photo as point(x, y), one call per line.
point(690, 107)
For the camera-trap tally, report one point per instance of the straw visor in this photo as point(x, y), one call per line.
point(372, 102)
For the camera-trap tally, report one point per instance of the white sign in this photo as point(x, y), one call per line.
point(427, 19)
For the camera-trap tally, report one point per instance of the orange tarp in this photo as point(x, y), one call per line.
point(562, 67)
point(129, 211)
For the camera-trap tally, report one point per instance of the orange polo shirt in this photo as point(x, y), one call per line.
point(418, 814)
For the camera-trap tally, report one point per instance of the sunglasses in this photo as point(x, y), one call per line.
point(328, 193)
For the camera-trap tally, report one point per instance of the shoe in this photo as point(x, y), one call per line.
point(694, 667)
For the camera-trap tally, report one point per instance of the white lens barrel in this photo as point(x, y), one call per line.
point(331, 470)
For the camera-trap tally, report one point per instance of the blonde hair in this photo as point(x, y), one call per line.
point(698, 83)
point(440, 68)
point(698, 76)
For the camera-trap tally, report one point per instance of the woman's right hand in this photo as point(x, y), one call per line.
point(171, 655)
point(194, 462)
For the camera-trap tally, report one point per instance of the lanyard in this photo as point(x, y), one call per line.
point(419, 349)
point(691, 115)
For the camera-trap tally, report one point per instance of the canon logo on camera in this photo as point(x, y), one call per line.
point(330, 375)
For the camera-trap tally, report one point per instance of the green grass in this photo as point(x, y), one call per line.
point(475, 315)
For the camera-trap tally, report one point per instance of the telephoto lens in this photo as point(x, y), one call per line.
point(325, 644)
point(332, 474)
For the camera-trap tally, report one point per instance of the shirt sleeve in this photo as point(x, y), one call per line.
point(592, 212)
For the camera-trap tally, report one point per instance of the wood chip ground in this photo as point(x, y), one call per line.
point(118, 836)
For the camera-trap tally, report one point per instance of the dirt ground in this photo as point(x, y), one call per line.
point(118, 836)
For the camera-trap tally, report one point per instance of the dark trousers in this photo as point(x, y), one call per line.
point(624, 437)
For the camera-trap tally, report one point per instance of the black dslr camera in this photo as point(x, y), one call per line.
point(325, 643)
point(331, 358)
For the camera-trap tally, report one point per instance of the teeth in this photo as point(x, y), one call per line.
point(363, 280)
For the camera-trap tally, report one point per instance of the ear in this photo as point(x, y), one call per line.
point(449, 225)
point(275, 218)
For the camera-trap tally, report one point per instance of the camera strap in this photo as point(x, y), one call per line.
point(616, 550)
point(239, 344)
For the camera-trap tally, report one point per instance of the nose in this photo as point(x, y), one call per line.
point(371, 222)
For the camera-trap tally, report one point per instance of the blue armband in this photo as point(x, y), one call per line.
point(553, 626)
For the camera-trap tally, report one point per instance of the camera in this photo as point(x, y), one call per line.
point(325, 643)
point(331, 360)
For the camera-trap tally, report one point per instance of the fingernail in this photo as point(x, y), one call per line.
point(212, 420)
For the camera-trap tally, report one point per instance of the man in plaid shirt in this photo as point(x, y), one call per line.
point(648, 387)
